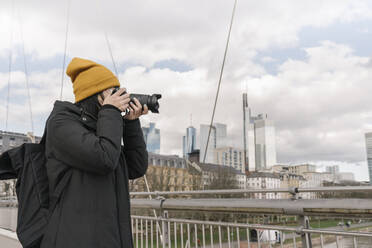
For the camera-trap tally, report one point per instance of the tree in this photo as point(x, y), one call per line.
point(223, 178)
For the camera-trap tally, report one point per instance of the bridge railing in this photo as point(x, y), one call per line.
point(166, 232)
point(348, 208)
point(292, 190)
point(162, 231)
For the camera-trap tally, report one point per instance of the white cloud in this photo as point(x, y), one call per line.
point(267, 59)
point(321, 105)
point(148, 31)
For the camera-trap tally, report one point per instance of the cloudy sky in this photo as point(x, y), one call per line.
point(307, 64)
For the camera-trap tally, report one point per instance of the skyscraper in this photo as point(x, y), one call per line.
point(152, 138)
point(259, 139)
point(264, 142)
point(189, 141)
point(369, 154)
point(217, 139)
point(230, 156)
point(334, 169)
point(249, 137)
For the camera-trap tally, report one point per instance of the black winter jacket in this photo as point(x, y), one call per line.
point(94, 209)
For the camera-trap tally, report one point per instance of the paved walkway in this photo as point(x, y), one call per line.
point(8, 239)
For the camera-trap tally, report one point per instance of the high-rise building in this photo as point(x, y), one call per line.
point(265, 144)
point(334, 169)
point(259, 140)
point(369, 154)
point(231, 157)
point(152, 138)
point(249, 137)
point(189, 141)
point(217, 139)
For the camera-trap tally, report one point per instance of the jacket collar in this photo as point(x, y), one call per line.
point(87, 119)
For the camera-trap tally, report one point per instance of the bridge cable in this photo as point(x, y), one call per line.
point(111, 55)
point(65, 50)
point(10, 66)
point(106, 36)
point(220, 79)
point(26, 72)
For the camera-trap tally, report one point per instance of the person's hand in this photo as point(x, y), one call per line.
point(121, 102)
point(135, 110)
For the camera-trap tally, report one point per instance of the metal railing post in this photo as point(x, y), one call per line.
point(305, 237)
point(261, 234)
point(165, 231)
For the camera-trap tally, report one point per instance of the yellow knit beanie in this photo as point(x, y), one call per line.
point(89, 78)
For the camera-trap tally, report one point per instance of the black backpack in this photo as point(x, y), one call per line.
point(35, 205)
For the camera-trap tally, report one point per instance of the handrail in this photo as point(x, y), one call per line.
point(353, 208)
point(293, 190)
point(338, 189)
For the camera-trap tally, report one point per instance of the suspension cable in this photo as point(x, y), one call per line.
point(26, 73)
point(65, 51)
point(107, 40)
point(112, 56)
point(220, 79)
point(10, 65)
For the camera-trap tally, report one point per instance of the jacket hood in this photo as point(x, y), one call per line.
point(73, 110)
point(60, 106)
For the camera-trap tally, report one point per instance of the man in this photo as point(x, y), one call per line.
point(84, 143)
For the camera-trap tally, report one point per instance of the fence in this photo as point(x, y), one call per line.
point(150, 232)
point(292, 190)
point(167, 232)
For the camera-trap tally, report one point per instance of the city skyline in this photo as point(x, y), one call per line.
point(311, 76)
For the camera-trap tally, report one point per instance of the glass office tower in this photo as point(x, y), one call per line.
point(259, 140)
point(152, 138)
point(189, 141)
point(265, 143)
point(217, 139)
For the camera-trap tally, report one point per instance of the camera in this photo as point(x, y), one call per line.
point(150, 100)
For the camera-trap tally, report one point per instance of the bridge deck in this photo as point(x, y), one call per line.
point(8, 239)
